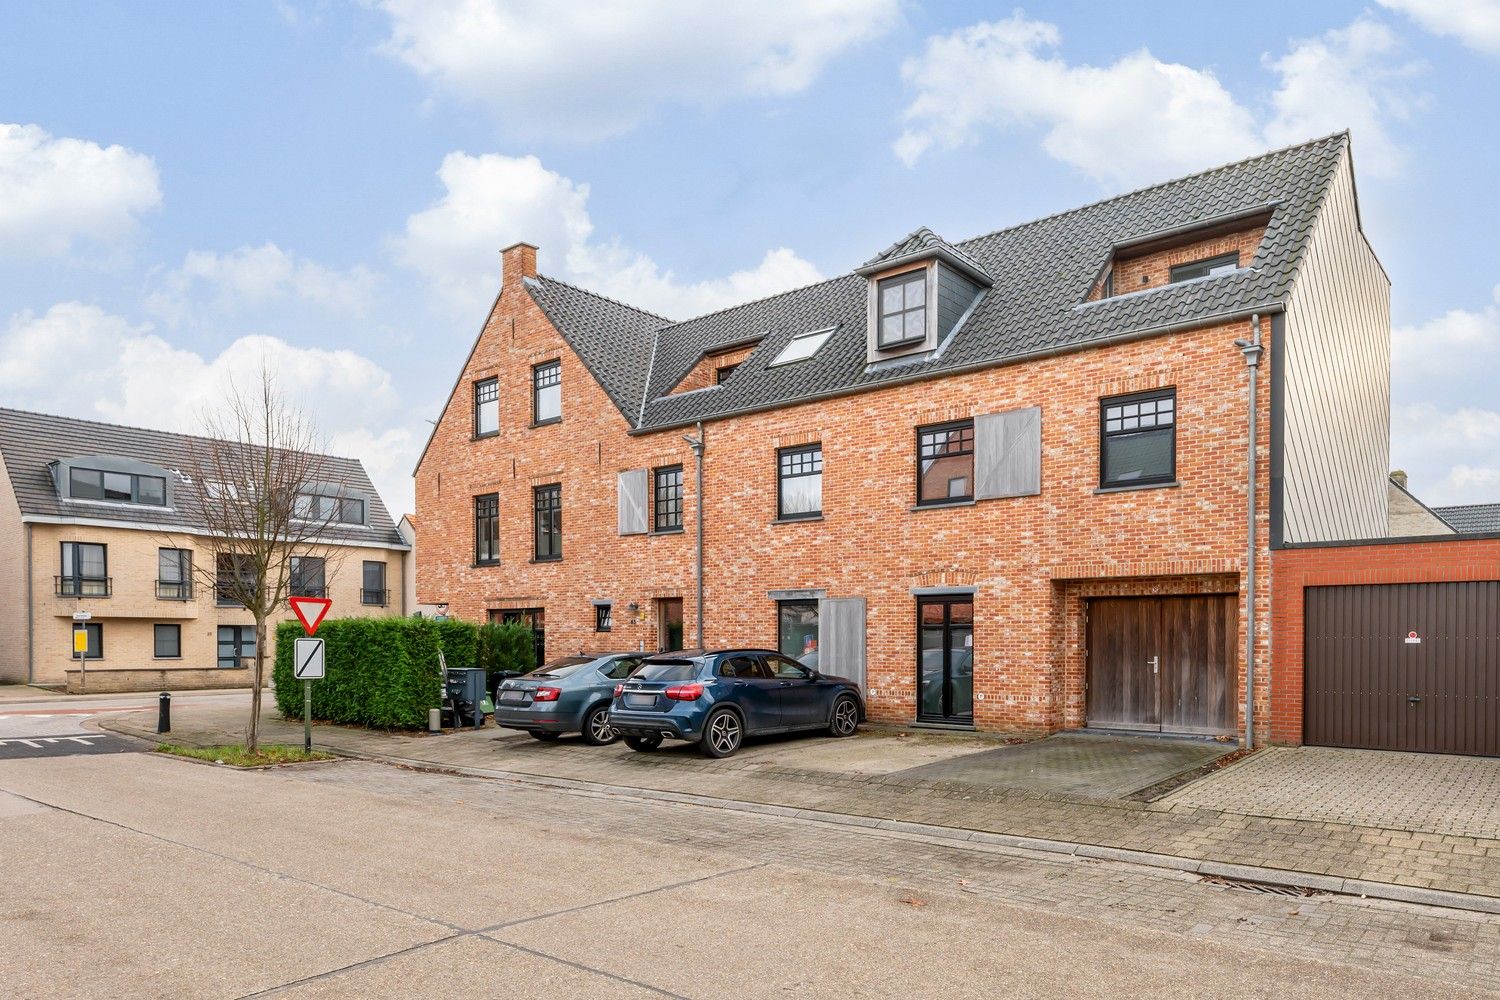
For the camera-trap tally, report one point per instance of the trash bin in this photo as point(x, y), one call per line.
point(465, 695)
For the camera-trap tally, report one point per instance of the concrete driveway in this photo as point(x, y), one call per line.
point(1418, 792)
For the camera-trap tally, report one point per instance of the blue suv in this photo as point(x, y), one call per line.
point(717, 698)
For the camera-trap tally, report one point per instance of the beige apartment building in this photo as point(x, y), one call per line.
point(99, 534)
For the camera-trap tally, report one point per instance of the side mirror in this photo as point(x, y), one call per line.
point(813, 675)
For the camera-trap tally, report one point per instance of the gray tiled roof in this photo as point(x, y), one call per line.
point(1475, 518)
point(921, 241)
point(29, 442)
point(1042, 272)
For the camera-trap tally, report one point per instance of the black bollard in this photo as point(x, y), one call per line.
point(164, 713)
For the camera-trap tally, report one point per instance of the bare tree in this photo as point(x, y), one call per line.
point(259, 482)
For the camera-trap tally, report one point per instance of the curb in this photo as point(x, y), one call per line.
point(948, 835)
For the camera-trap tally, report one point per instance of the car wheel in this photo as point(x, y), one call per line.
point(845, 719)
point(643, 744)
point(722, 733)
point(597, 732)
point(537, 734)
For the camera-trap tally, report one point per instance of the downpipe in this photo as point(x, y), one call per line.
point(1251, 350)
point(696, 443)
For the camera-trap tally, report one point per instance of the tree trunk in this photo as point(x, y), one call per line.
point(252, 733)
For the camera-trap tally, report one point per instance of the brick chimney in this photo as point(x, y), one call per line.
point(517, 262)
point(1399, 478)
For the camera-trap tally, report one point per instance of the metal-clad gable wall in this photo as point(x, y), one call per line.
point(1365, 685)
point(1337, 358)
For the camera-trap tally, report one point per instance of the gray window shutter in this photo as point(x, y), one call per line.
point(1008, 454)
point(841, 638)
point(630, 500)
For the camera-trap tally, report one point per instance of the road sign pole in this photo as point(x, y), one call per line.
point(307, 716)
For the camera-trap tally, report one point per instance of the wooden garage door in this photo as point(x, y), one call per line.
point(1163, 664)
point(1365, 685)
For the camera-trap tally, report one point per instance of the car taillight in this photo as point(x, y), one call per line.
point(619, 690)
point(546, 694)
point(684, 692)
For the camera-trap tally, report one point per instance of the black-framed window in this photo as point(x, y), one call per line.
point(167, 641)
point(236, 644)
point(1138, 439)
point(487, 529)
point(945, 462)
point(372, 584)
point(84, 571)
point(1206, 268)
point(724, 371)
point(546, 392)
point(546, 503)
point(95, 633)
point(233, 572)
point(903, 309)
point(945, 658)
point(799, 482)
point(534, 619)
point(117, 487)
point(666, 498)
point(486, 407)
point(308, 577)
point(174, 574)
point(329, 510)
point(604, 617)
point(797, 631)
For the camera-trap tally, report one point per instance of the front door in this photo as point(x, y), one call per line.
point(945, 659)
point(669, 624)
point(1163, 664)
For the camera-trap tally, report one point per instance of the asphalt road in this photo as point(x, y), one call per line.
point(34, 724)
point(142, 876)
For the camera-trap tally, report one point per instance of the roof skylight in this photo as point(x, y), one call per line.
point(803, 346)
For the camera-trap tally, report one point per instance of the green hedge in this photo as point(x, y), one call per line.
point(505, 646)
point(380, 672)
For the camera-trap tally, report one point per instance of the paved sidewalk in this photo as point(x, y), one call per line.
point(1342, 850)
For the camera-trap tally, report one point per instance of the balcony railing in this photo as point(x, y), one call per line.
point(300, 591)
point(174, 590)
point(378, 598)
point(80, 586)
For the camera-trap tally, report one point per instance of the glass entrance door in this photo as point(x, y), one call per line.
point(945, 659)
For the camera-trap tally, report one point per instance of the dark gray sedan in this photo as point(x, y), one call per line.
point(568, 695)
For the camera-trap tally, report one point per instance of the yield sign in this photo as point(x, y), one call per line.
point(310, 611)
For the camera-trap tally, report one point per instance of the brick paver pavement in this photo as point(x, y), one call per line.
point(1455, 863)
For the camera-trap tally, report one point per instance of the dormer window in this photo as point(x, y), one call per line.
point(329, 509)
point(1207, 268)
point(117, 487)
point(903, 309)
point(803, 346)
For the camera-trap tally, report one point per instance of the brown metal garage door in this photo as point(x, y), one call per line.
point(1366, 685)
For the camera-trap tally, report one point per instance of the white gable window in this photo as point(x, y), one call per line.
point(803, 346)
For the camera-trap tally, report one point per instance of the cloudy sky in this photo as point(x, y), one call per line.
point(187, 189)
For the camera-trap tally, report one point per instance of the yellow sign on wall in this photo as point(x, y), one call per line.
point(80, 640)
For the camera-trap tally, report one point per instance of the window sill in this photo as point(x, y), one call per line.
point(166, 657)
point(798, 520)
point(546, 559)
point(943, 505)
point(667, 531)
point(544, 423)
point(1173, 484)
point(485, 435)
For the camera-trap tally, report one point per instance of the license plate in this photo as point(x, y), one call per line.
point(512, 696)
point(640, 701)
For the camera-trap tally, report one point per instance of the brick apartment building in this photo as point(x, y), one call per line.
point(1003, 481)
point(99, 520)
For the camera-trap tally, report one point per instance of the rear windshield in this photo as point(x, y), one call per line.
point(667, 670)
point(561, 668)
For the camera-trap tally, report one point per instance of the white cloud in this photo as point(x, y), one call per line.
point(76, 352)
point(1475, 23)
point(1451, 455)
point(1140, 119)
point(593, 68)
point(253, 276)
point(492, 200)
point(1452, 342)
point(1346, 78)
point(57, 192)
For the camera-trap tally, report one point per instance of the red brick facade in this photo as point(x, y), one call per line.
point(1031, 560)
point(1444, 559)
